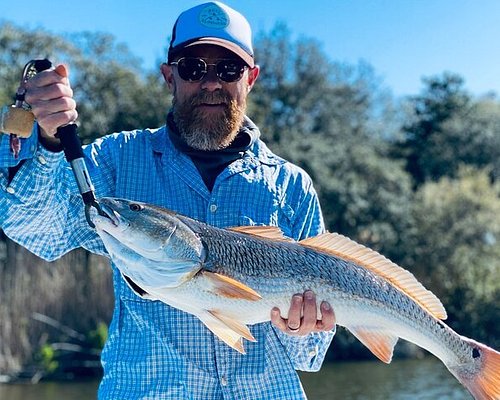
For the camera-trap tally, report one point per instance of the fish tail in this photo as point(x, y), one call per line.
point(482, 378)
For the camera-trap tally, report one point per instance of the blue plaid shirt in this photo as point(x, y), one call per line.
point(155, 351)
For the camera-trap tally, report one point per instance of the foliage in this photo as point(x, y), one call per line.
point(46, 358)
point(446, 128)
point(98, 336)
point(332, 119)
point(17, 47)
point(70, 355)
point(111, 91)
point(453, 246)
point(416, 179)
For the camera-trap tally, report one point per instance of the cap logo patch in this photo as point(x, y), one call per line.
point(214, 17)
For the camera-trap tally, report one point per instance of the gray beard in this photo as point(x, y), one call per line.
point(208, 132)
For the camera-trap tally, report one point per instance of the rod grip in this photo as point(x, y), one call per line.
point(70, 142)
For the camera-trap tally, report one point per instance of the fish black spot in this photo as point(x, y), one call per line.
point(475, 353)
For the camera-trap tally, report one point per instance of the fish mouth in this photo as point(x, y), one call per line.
point(111, 214)
point(109, 220)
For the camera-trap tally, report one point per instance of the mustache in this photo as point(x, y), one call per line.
point(207, 97)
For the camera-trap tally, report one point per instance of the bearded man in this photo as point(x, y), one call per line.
point(209, 163)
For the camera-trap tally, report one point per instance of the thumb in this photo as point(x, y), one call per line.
point(62, 70)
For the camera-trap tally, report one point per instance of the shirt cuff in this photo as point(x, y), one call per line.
point(28, 149)
point(34, 177)
point(306, 352)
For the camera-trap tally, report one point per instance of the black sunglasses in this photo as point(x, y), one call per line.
point(194, 69)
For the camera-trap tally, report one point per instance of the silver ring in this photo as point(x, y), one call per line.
point(293, 330)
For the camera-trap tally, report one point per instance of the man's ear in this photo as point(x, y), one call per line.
point(253, 74)
point(168, 74)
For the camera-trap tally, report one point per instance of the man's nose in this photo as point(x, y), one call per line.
point(210, 81)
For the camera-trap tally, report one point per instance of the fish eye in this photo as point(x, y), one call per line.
point(135, 207)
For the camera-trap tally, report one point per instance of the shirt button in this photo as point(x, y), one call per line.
point(42, 160)
point(312, 353)
point(213, 208)
point(223, 380)
point(11, 190)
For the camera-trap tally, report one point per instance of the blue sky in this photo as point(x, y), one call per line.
point(403, 40)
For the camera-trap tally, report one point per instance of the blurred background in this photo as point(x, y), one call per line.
point(391, 106)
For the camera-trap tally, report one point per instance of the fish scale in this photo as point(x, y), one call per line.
point(231, 278)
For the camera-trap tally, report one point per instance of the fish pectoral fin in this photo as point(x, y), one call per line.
point(380, 342)
point(224, 332)
point(229, 287)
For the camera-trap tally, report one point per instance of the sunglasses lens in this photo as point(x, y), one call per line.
point(192, 69)
point(230, 70)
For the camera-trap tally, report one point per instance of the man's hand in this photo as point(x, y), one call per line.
point(302, 316)
point(51, 99)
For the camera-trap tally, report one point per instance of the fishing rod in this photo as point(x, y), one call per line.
point(17, 121)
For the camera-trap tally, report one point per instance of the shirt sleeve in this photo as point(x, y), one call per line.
point(307, 353)
point(41, 207)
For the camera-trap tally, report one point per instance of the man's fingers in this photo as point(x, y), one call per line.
point(62, 70)
point(45, 107)
point(51, 99)
point(51, 122)
point(295, 313)
point(310, 314)
point(49, 92)
point(302, 316)
point(328, 320)
point(277, 320)
point(46, 78)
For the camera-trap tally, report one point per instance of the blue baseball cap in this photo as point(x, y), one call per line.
point(213, 23)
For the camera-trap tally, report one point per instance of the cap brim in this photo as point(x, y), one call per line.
point(223, 43)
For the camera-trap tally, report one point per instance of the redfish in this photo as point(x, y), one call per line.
point(231, 278)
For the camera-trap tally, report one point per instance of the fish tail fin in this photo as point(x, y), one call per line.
point(482, 376)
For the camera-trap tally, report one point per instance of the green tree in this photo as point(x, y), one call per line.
point(453, 247)
point(476, 131)
point(333, 119)
point(446, 127)
point(17, 47)
point(111, 90)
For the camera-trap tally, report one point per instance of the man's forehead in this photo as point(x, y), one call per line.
point(207, 51)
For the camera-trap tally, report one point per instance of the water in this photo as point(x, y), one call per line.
point(82, 390)
point(426, 379)
point(402, 380)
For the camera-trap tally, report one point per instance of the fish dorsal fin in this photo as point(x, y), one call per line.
point(229, 287)
point(380, 342)
point(264, 231)
point(343, 247)
point(222, 331)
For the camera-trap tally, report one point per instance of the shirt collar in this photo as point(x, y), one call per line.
point(258, 151)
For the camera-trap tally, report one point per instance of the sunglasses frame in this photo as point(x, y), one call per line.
point(205, 71)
